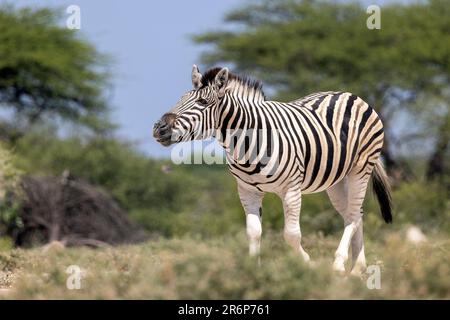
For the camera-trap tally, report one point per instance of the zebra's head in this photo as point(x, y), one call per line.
point(195, 116)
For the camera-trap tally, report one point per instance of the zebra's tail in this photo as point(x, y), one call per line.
point(382, 189)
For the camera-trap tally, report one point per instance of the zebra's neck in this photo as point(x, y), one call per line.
point(246, 91)
point(237, 113)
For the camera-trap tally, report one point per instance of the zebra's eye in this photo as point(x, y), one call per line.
point(202, 102)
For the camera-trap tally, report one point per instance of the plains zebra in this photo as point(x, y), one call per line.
point(325, 141)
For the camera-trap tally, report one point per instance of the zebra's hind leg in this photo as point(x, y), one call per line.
point(292, 200)
point(251, 200)
point(358, 255)
point(353, 189)
point(338, 197)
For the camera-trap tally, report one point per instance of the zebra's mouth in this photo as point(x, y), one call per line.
point(163, 135)
point(165, 142)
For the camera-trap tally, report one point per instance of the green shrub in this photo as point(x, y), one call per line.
point(173, 200)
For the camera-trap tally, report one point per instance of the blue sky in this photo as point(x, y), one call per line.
point(150, 44)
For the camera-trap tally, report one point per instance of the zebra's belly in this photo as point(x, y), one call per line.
point(267, 179)
point(327, 171)
point(282, 178)
point(321, 188)
point(264, 184)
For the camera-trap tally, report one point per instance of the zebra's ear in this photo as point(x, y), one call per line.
point(221, 81)
point(196, 77)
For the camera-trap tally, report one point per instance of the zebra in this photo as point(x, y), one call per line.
point(326, 141)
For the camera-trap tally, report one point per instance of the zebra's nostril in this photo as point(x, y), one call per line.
point(156, 126)
point(163, 131)
point(159, 129)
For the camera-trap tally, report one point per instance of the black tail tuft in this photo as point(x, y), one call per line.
point(382, 190)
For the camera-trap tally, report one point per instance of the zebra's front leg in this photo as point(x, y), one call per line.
point(292, 200)
point(251, 200)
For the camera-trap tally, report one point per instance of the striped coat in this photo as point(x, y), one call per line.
point(321, 138)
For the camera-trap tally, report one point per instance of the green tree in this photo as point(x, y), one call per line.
point(9, 183)
point(47, 70)
point(299, 47)
point(9, 174)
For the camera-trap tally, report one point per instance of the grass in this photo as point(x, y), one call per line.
point(191, 268)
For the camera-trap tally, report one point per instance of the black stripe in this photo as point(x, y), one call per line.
point(331, 110)
point(318, 158)
point(330, 154)
point(318, 102)
point(344, 135)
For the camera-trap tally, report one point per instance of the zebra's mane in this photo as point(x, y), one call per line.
point(256, 85)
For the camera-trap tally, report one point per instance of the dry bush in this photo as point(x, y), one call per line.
point(69, 211)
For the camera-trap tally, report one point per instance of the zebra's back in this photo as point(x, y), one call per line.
point(343, 132)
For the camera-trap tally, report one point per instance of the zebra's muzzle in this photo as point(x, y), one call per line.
point(162, 131)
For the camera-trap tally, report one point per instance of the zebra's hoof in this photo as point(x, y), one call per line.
point(339, 267)
point(306, 257)
point(312, 264)
point(358, 271)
